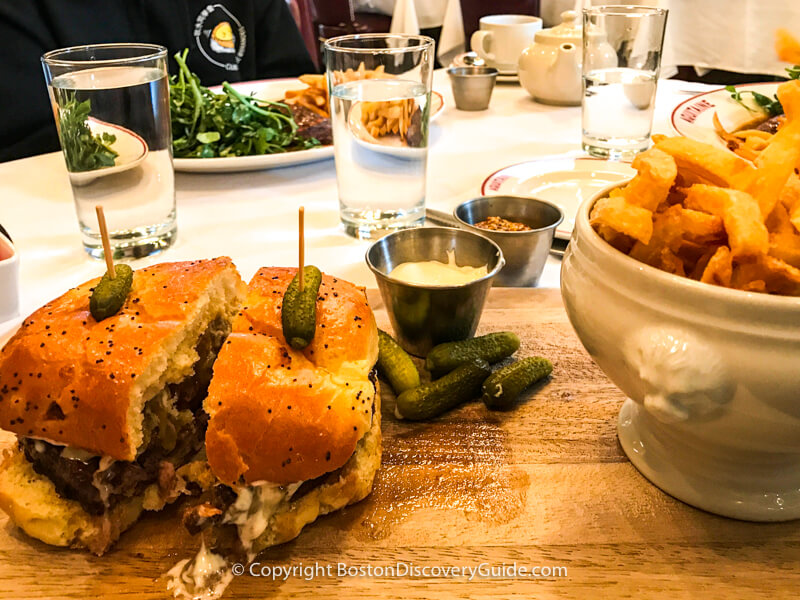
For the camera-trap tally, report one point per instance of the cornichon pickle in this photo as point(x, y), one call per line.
point(299, 309)
point(429, 400)
point(505, 385)
point(492, 348)
point(395, 364)
point(109, 294)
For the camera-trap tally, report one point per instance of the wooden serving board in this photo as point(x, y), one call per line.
point(545, 484)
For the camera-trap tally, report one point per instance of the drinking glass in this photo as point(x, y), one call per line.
point(111, 107)
point(380, 91)
point(621, 61)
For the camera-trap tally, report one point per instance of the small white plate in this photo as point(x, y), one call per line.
point(566, 181)
point(130, 147)
point(693, 118)
point(392, 145)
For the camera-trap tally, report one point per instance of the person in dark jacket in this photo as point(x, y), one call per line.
point(228, 40)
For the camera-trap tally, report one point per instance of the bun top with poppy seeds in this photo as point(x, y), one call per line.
point(281, 415)
point(71, 380)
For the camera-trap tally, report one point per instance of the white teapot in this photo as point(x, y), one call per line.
point(550, 68)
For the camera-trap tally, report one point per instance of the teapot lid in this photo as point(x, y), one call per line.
point(569, 30)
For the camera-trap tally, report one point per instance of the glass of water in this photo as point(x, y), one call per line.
point(111, 106)
point(621, 61)
point(380, 92)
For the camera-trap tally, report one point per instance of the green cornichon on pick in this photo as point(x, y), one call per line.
point(432, 399)
point(395, 364)
point(109, 294)
point(505, 385)
point(299, 309)
point(492, 348)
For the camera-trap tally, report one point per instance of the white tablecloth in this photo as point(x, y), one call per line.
point(252, 216)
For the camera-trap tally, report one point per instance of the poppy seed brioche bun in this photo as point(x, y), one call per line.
point(71, 380)
point(352, 484)
point(282, 415)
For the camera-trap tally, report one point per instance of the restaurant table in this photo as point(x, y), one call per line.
point(252, 216)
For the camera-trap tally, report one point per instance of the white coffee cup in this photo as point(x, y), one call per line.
point(502, 38)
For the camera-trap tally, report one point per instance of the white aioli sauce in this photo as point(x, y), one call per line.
point(206, 576)
point(433, 272)
point(203, 577)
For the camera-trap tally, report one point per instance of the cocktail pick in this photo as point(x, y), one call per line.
point(301, 250)
point(101, 220)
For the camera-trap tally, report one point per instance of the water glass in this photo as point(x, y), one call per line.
point(380, 91)
point(621, 61)
point(111, 107)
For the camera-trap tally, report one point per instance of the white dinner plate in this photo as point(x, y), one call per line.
point(566, 181)
point(693, 118)
point(270, 89)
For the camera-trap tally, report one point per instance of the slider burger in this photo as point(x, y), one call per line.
point(108, 413)
point(292, 434)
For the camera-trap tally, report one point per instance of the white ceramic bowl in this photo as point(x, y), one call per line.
point(9, 280)
point(712, 376)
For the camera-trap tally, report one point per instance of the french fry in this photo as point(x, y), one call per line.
point(784, 242)
point(778, 160)
point(656, 175)
point(698, 162)
point(666, 235)
point(719, 268)
point(787, 47)
point(630, 220)
point(790, 198)
point(740, 215)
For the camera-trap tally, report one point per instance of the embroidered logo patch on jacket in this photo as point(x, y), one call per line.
point(220, 36)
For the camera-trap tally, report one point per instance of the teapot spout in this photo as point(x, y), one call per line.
point(567, 64)
point(565, 73)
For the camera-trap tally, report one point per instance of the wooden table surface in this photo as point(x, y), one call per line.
point(546, 484)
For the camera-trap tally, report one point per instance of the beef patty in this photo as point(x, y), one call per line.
point(310, 124)
point(174, 437)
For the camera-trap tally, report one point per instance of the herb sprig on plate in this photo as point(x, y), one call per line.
point(83, 150)
point(206, 124)
point(769, 106)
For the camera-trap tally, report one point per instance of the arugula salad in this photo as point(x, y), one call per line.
point(206, 124)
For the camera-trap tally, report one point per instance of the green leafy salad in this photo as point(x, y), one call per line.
point(83, 150)
point(207, 125)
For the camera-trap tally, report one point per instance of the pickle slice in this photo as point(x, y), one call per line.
point(299, 309)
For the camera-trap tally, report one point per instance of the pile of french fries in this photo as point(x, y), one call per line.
point(388, 117)
point(747, 142)
point(379, 118)
point(314, 97)
point(702, 212)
